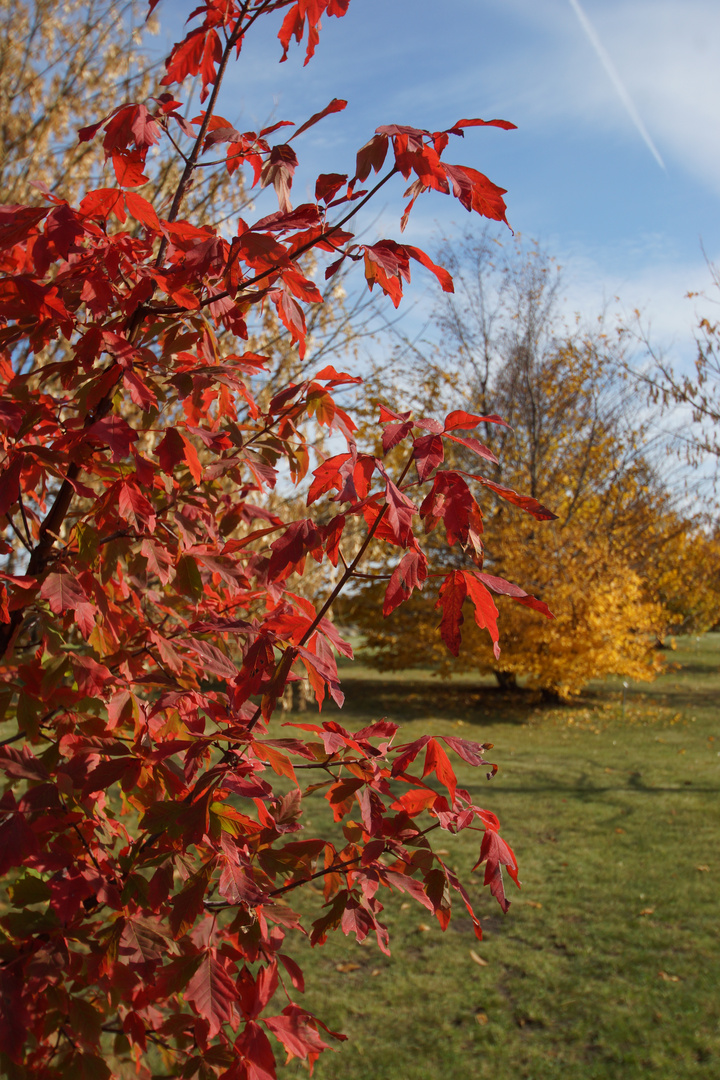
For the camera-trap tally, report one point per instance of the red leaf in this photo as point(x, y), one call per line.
point(62, 592)
point(129, 168)
point(290, 550)
point(525, 502)
point(417, 800)
point(171, 451)
point(19, 222)
point(140, 393)
point(259, 1058)
point(212, 992)
point(467, 750)
point(409, 574)
point(452, 594)
point(193, 461)
point(302, 287)
point(134, 507)
point(407, 754)
point(197, 53)
point(476, 192)
point(504, 124)
point(336, 378)
point(102, 202)
point(279, 170)
point(437, 761)
point(485, 611)
point(429, 453)
point(499, 585)
point(439, 271)
point(400, 510)
point(461, 419)
point(238, 887)
point(371, 810)
point(297, 1031)
point(214, 662)
point(10, 484)
point(336, 105)
point(327, 476)
point(450, 500)
point(496, 853)
point(387, 415)
point(17, 842)
point(116, 433)
point(395, 433)
point(371, 156)
point(142, 211)
point(293, 970)
point(327, 186)
point(13, 1014)
point(475, 446)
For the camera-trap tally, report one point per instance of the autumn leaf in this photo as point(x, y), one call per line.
point(452, 596)
point(409, 574)
point(212, 992)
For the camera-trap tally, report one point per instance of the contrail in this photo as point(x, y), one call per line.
point(616, 80)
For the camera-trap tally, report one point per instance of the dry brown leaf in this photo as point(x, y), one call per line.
point(477, 958)
point(647, 911)
point(668, 978)
point(703, 868)
point(423, 927)
point(344, 969)
point(481, 1018)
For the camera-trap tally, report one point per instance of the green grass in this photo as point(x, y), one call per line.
point(608, 963)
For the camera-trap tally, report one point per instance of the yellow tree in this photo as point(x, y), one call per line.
point(579, 444)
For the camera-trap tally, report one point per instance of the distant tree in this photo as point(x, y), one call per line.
point(691, 395)
point(579, 441)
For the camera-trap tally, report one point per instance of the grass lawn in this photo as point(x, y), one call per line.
point(608, 962)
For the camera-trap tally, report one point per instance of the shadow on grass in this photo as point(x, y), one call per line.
point(417, 699)
point(695, 668)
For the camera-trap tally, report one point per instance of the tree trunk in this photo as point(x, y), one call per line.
point(507, 680)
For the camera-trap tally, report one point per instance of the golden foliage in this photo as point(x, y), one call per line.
point(60, 64)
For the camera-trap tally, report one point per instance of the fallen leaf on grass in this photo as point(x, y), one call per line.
point(442, 851)
point(703, 868)
point(647, 911)
point(477, 958)
point(668, 978)
point(619, 830)
point(533, 903)
point(405, 906)
point(481, 1018)
point(345, 968)
point(423, 927)
point(376, 971)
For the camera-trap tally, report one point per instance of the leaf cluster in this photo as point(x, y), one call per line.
point(153, 817)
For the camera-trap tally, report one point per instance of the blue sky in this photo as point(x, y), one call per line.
point(599, 92)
